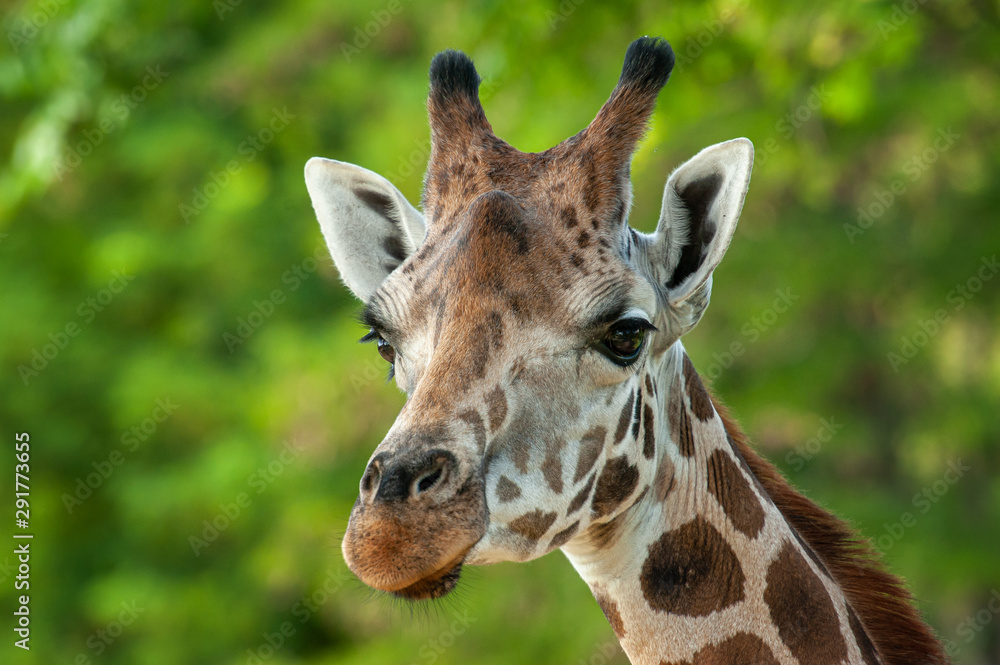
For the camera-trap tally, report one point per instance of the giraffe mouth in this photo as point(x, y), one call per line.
point(409, 553)
point(438, 583)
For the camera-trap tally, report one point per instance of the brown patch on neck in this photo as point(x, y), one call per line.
point(701, 401)
point(740, 648)
point(731, 490)
point(801, 608)
point(610, 609)
point(883, 605)
point(692, 571)
point(680, 422)
point(664, 481)
point(615, 484)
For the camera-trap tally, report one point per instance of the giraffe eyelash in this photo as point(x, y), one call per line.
point(369, 336)
point(374, 335)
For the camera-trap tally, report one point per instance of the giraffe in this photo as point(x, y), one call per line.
point(551, 405)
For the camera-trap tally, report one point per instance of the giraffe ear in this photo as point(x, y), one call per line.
point(369, 226)
point(701, 205)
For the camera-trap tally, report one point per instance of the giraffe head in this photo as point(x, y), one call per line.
point(523, 318)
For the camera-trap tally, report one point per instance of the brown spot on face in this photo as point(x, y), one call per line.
point(733, 493)
point(610, 609)
point(507, 490)
point(496, 405)
point(552, 465)
point(680, 425)
point(583, 240)
point(477, 354)
point(664, 481)
point(701, 402)
point(494, 330)
point(869, 654)
point(590, 449)
point(565, 535)
point(568, 217)
point(740, 648)
point(692, 571)
point(475, 421)
point(500, 219)
point(649, 442)
point(802, 610)
point(533, 525)
point(615, 484)
point(581, 496)
point(624, 420)
point(649, 385)
point(520, 454)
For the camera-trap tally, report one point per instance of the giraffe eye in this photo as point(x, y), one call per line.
point(623, 342)
point(386, 350)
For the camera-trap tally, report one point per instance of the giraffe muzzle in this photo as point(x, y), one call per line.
point(415, 520)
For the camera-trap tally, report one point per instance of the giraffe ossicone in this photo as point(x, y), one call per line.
point(551, 403)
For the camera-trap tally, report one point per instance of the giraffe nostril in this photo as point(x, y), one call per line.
point(371, 479)
point(430, 479)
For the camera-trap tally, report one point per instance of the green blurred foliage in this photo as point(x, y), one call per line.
point(151, 200)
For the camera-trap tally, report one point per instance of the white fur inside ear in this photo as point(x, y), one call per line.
point(369, 226)
point(701, 206)
point(721, 173)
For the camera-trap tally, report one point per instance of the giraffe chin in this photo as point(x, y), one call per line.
point(409, 564)
point(425, 585)
point(437, 584)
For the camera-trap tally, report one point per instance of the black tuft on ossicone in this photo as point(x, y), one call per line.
point(452, 72)
point(648, 63)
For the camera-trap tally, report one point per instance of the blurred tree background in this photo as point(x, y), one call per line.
point(177, 343)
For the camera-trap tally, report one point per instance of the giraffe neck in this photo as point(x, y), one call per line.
point(704, 567)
